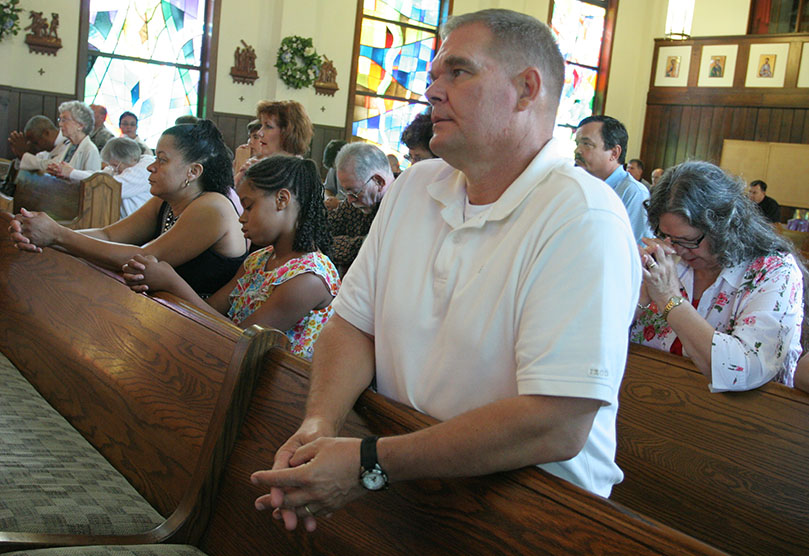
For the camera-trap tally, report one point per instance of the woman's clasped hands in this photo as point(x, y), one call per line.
point(144, 272)
point(660, 278)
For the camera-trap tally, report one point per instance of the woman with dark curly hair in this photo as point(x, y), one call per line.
point(290, 283)
point(189, 222)
point(719, 284)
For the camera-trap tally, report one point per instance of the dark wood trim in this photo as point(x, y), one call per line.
point(605, 57)
point(81, 61)
point(352, 83)
point(210, 50)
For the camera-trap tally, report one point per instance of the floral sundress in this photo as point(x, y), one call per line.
point(257, 284)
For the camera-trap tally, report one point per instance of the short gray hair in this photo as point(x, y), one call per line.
point(519, 40)
point(81, 113)
point(367, 160)
point(122, 149)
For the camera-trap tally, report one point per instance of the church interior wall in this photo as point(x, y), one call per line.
point(263, 23)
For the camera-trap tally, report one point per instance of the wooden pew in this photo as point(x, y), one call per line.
point(521, 512)
point(157, 388)
point(93, 202)
point(729, 468)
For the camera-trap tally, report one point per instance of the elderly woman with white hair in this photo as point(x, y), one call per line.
point(76, 122)
point(720, 286)
point(126, 164)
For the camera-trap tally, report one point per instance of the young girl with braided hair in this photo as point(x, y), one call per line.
point(290, 282)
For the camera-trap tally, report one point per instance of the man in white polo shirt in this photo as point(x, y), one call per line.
point(494, 291)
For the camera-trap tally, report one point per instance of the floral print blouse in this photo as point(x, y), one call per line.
point(756, 310)
point(257, 284)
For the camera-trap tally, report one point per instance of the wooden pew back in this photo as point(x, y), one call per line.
point(154, 386)
point(93, 202)
point(521, 512)
point(726, 468)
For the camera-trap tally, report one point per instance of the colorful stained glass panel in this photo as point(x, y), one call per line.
point(577, 95)
point(381, 121)
point(413, 12)
point(579, 29)
point(394, 60)
point(157, 94)
point(164, 30)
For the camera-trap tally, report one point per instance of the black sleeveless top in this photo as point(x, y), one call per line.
point(208, 271)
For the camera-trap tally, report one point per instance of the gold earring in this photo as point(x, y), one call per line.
point(186, 182)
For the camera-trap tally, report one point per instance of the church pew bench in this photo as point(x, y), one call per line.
point(726, 468)
point(521, 512)
point(93, 202)
point(157, 388)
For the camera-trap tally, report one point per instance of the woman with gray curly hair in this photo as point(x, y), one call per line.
point(76, 122)
point(720, 286)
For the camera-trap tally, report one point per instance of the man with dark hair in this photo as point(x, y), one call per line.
point(334, 192)
point(768, 206)
point(601, 150)
point(417, 137)
point(635, 169)
point(494, 292)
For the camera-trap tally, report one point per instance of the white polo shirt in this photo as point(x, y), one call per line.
point(534, 296)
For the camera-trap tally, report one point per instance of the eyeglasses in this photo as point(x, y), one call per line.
point(352, 196)
point(684, 243)
point(413, 158)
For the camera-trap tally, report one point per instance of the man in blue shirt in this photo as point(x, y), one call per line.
point(601, 150)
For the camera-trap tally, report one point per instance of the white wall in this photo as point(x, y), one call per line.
point(263, 24)
point(720, 17)
point(638, 23)
point(20, 68)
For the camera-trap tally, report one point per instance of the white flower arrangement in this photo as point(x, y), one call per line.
point(298, 64)
point(9, 18)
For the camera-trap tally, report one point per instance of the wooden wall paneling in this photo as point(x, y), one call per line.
point(796, 131)
point(750, 119)
point(228, 126)
point(645, 150)
point(695, 122)
point(685, 130)
point(672, 135)
point(719, 129)
point(805, 138)
point(8, 119)
point(705, 122)
point(661, 135)
point(762, 125)
point(785, 131)
point(774, 126)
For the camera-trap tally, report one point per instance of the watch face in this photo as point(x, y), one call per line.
point(374, 479)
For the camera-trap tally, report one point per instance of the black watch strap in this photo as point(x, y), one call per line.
point(368, 457)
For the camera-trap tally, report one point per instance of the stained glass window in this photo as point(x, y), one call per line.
point(581, 28)
point(397, 42)
point(145, 57)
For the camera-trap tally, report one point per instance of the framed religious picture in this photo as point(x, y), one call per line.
point(717, 65)
point(672, 66)
point(766, 66)
point(803, 69)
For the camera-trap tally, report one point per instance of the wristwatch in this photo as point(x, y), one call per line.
point(674, 300)
point(372, 477)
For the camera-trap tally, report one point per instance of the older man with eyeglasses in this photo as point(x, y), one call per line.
point(364, 172)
